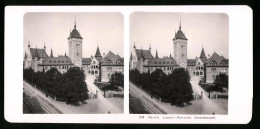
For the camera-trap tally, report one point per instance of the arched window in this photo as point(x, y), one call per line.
point(97, 66)
point(96, 72)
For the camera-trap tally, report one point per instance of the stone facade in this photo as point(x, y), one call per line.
point(180, 52)
point(212, 72)
point(75, 51)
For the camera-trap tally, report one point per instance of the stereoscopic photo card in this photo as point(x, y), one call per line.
point(128, 64)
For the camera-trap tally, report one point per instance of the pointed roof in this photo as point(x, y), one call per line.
point(65, 54)
point(75, 33)
point(145, 53)
point(179, 34)
point(170, 55)
point(44, 46)
point(112, 59)
point(134, 45)
point(29, 44)
point(131, 56)
point(25, 55)
point(216, 60)
point(142, 54)
point(38, 53)
point(202, 54)
point(51, 53)
point(156, 55)
point(98, 53)
point(86, 61)
point(191, 62)
point(150, 47)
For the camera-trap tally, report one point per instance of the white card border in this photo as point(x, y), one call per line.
point(240, 57)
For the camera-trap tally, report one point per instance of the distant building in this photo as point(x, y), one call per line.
point(110, 64)
point(38, 59)
point(204, 67)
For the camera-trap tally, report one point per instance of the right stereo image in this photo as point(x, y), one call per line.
point(179, 63)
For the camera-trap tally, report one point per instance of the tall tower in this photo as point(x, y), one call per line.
point(75, 47)
point(180, 48)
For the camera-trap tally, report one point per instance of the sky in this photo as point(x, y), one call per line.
point(210, 30)
point(53, 29)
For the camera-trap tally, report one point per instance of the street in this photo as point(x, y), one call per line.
point(46, 106)
point(145, 98)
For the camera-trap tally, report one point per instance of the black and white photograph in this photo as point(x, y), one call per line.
point(73, 63)
point(179, 63)
point(128, 64)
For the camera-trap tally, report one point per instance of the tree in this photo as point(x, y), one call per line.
point(221, 81)
point(116, 79)
point(73, 86)
point(179, 89)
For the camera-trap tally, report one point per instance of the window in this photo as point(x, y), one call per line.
point(94, 62)
point(58, 61)
point(66, 61)
point(201, 73)
point(182, 46)
point(167, 62)
point(96, 66)
point(198, 63)
point(77, 54)
point(159, 62)
point(62, 61)
point(50, 61)
point(163, 62)
point(155, 62)
point(96, 72)
point(213, 69)
point(55, 61)
point(182, 55)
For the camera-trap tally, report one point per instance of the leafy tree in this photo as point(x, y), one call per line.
point(116, 79)
point(221, 81)
point(74, 88)
point(179, 89)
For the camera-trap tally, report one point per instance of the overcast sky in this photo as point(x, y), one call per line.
point(158, 29)
point(105, 29)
